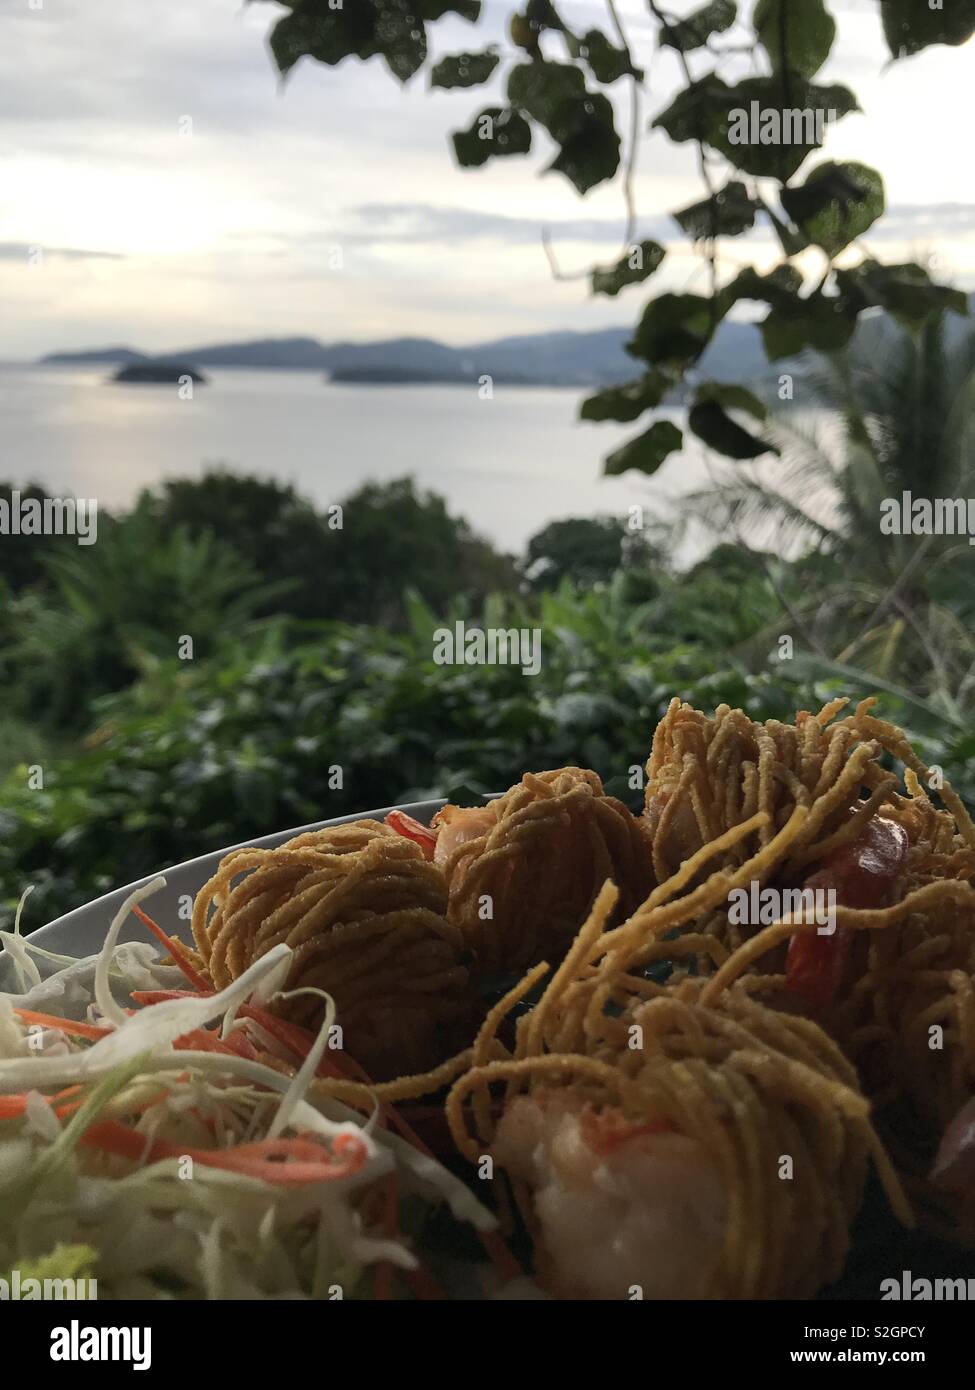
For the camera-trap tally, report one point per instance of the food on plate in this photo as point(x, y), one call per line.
point(667, 1055)
point(173, 1149)
point(674, 1145)
point(365, 916)
point(524, 870)
point(890, 975)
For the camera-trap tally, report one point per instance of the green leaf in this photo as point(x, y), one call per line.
point(464, 70)
point(493, 134)
point(391, 28)
point(729, 213)
point(436, 9)
point(711, 423)
point(816, 322)
point(328, 36)
point(797, 38)
point(542, 14)
point(626, 403)
point(548, 92)
point(780, 288)
point(764, 125)
point(590, 154)
point(836, 204)
point(790, 239)
point(675, 329)
point(905, 291)
point(647, 452)
point(911, 25)
point(696, 111)
point(785, 119)
point(607, 62)
point(732, 397)
point(638, 264)
point(401, 37)
point(580, 122)
point(694, 31)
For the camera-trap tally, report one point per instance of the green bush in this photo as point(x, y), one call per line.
point(200, 754)
point(389, 535)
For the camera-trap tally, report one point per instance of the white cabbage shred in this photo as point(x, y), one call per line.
point(170, 1228)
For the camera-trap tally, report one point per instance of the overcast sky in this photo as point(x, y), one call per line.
point(161, 239)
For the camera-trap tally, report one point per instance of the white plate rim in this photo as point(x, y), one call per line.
point(88, 924)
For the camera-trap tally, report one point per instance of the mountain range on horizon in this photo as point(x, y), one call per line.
point(572, 358)
point(563, 358)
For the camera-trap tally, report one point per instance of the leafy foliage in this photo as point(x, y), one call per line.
point(902, 610)
point(23, 558)
point(709, 419)
point(580, 122)
point(648, 451)
point(464, 70)
point(911, 25)
point(694, 31)
point(585, 550)
point(203, 754)
point(763, 126)
point(637, 265)
point(204, 557)
point(729, 212)
point(797, 38)
point(627, 402)
point(289, 723)
point(498, 131)
point(836, 204)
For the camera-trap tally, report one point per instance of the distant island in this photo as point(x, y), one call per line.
point(158, 373)
point(585, 361)
point(390, 375)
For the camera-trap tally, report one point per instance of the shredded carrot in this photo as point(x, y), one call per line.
point(237, 1041)
point(502, 1258)
point(296, 1039)
point(159, 996)
point(413, 830)
point(14, 1105)
point(285, 1162)
point(202, 1040)
point(64, 1025)
point(175, 949)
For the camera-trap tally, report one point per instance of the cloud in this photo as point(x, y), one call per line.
point(936, 219)
point(24, 250)
point(421, 223)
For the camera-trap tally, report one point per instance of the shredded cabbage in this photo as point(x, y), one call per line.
point(177, 1226)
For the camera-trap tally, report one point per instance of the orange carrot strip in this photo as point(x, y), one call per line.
point(202, 1040)
point(413, 830)
point(298, 1040)
point(175, 949)
point(64, 1025)
point(502, 1258)
point(311, 1163)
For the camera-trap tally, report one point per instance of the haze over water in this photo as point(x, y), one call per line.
point(509, 465)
